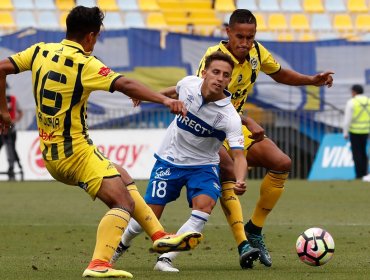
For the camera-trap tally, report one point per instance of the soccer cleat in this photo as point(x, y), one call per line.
point(256, 241)
point(248, 255)
point(102, 269)
point(165, 264)
point(119, 252)
point(181, 242)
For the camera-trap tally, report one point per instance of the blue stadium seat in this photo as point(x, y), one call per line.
point(86, 3)
point(128, 5)
point(321, 22)
point(113, 20)
point(24, 19)
point(269, 6)
point(247, 4)
point(134, 19)
point(48, 20)
point(291, 6)
point(45, 5)
point(23, 4)
point(335, 6)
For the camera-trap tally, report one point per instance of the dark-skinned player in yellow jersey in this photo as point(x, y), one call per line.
point(251, 57)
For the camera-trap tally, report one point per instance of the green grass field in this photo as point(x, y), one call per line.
point(47, 231)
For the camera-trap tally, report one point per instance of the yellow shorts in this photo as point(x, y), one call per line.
point(247, 141)
point(85, 169)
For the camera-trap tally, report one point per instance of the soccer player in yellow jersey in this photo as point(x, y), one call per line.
point(63, 76)
point(251, 57)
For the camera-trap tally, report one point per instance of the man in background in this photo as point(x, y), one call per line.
point(9, 139)
point(356, 128)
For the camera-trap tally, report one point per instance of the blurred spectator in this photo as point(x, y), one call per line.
point(221, 31)
point(356, 127)
point(9, 139)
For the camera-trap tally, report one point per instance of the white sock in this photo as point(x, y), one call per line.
point(196, 222)
point(133, 230)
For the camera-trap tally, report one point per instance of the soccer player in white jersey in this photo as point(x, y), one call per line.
point(189, 156)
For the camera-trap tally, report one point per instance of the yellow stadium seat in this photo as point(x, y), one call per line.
point(313, 6)
point(148, 5)
point(6, 5)
point(362, 22)
point(342, 22)
point(107, 5)
point(285, 37)
point(6, 20)
point(299, 22)
point(224, 6)
point(176, 18)
point(65, 5)
point(261, 22)
point(307, 37)
point(62, 19)
point(277, 21)
point(156, 20)
point(357, 6)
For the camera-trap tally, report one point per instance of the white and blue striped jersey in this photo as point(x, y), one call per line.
point(195, 139)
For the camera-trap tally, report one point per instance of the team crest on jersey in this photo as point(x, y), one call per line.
point(104, 71)
point(240, 77)
point(254, 63)
point(161, 174)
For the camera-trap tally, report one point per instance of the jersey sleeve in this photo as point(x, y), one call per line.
point(23, 60)
point(97, 76)
point(268, 63)
point(234, 133)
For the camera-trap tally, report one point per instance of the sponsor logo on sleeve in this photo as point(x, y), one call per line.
point(104, 71)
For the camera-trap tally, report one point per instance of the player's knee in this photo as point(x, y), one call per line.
point(204, 206)
point(284, 164)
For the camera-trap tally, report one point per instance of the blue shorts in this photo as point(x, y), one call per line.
point(167, 180)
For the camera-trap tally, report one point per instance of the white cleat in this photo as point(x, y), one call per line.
point(165, 265)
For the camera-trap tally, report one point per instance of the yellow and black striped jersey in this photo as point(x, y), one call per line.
point(63, 76)
point(244, 74)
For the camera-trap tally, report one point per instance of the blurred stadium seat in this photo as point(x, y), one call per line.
point(321, 22)
point(134, 19)
point(108, 5)
point(128, 5)
point(23, 4)
point(313, 6)
point(277, 21)
point(357, 6)
point(48, 20)
point(362, 22)
point(156, 20)
point(291, 6)
point(25, 19)
point(6, 20)
point(224, 5)
point(335, 6)
point(65, 5)
point(45, 5)
point(299, 22)
point(148, 5)
point(285, 37)
point(6, 5)
point(247, 4)
point(261, 22)
point(113, 20)
point(269, 6)
point(86, 3)
point(342, 22)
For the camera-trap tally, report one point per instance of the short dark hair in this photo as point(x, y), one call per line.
point(83, 20)
point(218, 55)
point(242, 16)
point(358, 89)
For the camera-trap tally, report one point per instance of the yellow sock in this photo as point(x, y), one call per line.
point(144, 215)
point(271, 189)
point(233, 211)
point(110, 230)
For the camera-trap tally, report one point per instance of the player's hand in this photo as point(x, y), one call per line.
point(176, 106)
point(5, 123)
point(258, 133)
point(323, 79)
point(240, 187)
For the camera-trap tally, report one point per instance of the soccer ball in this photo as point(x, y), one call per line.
point(315, 246)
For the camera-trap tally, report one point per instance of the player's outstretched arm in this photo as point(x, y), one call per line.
point(240, 170)
point(138, 91)
point(170, 92)
point(293, 78)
